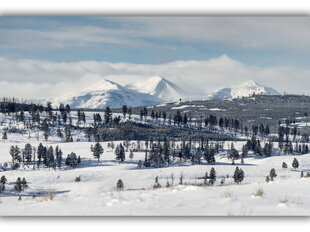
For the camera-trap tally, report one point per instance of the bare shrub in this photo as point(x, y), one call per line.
point(227, 194)
point(259, 192)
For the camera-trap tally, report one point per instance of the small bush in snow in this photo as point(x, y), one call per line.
point(284, 165)
point(259, 192)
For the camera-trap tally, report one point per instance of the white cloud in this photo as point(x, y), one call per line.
point(39, 79)
point(272, 33)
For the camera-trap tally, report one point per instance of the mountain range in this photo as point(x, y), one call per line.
point(106, 93)
point(151, 91)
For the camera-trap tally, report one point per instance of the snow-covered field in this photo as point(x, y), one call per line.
point(96, 194)
point(55, 192)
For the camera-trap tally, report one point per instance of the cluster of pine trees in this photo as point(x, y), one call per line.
point(48, 156)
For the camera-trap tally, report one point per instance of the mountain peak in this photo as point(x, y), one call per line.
point(250, 83)
point(245, 90)
point(159, 87)
point(102, 85)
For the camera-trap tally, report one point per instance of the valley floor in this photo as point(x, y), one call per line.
point(57, 193)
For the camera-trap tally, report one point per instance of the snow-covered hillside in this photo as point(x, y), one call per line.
point(159, 87)
point(106, 93)
point(244, 90)
point(56, 191)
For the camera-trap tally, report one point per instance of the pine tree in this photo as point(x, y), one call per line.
point(139, 164)
point(272, 174)
point(124, 109)
point(24, 184)
point(3, 181)
point(238, 175)
point(223, 181)
point(18, 185)
point(120, 153)
point(295, 163)
point(16, 158)
point(72, 160)
point(97, 151)
point(45, 129)
point(120, 185)
point(284, 165)
point(181, 178)
point(107, 115)
point(212, 176)
point(129, 113)
point(156, 185)
point(58, 154)
point(5, 135)
point(28, 152)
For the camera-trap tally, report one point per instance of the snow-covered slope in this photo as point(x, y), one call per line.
point(159, 87)
point(244, 90)
point(106, 93)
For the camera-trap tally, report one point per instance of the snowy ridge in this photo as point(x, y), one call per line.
point(244, 90)
point(106, 93)
point(159, 87)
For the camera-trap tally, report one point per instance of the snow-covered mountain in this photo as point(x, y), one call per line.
point(244, 90)
point(159, 87)
point(106, 93)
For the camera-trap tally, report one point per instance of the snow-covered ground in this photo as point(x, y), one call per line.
point(57, 193)
point(96, 194)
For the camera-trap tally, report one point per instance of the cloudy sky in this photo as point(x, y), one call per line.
point(48, 56)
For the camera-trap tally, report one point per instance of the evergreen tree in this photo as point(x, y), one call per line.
point(156, 185)
point(120, 153)
point(107, 115)
point(181, 178)
point(139, 164)
point(97, 150)
point(45, 129)
point(16, 158)
point(124, 109)
point(5, 135)
point(28, 152)
point(212, 176)
point(238, 175)
point(72, 160)
point(272, 174)
point(129, 113)
point(120, 185)
point(24, 184)
point(284, 165)
point(18, 185)
point(3, 181)
point(58, 154)
point(295, 163)
point(41, 153)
